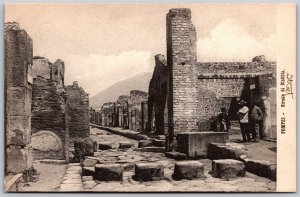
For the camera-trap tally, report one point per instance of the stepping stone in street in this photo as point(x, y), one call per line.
point(228, 168)
point(153, 149)
point(128, 166)
point(90, 162)
point(188, 170)
point(144, 143)
point(108, 172)
point(176, 155)
point(150, 171)
point(262, 168)
point(125, 145)
point(159, 142)
point(88, 171)
point(87, 178)
point(105, 145)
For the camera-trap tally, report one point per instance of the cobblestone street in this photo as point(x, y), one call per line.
point(129, 157)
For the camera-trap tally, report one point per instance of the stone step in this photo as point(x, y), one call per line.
point(150, 171)
point(89, 162)
point(125, 145)
point(144, 143)
point(105, 145)
point(262, 168)
point(108, 172)
point(188, 170)
point(153, 149)
point(228, 168)
point(176, 155)
point(158, 142)
point(88, 171)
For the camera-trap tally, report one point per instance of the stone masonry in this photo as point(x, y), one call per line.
point(77, 108)
point(18, 91)
point(181, 60)
point(158, 96)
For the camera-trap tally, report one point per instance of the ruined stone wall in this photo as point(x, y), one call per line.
point(181, 60)
point(48, 114)
point(108, 114)
point(134, 109)
point(222, 84)
point(41, 67)
point(58, 72)
point(122, 111)
point(77, 108)
point(157, 98)
point(18, 93)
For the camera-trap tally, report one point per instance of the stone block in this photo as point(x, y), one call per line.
point(188, 170)
point(195, 144)
point(18, 159)
point(89, 147)
point(228, 168)
point(87, 178)
point(105, 145)
point(90, 162)
point(160, 137)
point(144, 143)
point(18, 101)
point(125, 145)
point(150, 171)
point(88, 171)
point(158, 142)
point(153, 149)
point(18, 130)
point(176, 155)
point(70, 187)
point(262, 168)
point(128, 166)
point(108, 172)
point(46, 141)
point(225, 151)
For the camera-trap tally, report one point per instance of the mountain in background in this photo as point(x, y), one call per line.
point(111, 94)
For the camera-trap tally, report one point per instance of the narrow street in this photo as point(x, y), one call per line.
point(129, 157)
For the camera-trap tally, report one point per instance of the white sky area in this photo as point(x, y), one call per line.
point(102, 44)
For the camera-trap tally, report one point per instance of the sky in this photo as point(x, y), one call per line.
point(102, 44)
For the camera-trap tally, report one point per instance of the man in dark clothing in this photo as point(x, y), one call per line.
point(224, 121)
point(256, 117)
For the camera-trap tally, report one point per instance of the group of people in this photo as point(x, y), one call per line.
point(251, 122)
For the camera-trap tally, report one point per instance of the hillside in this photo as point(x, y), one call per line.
point(111, 94)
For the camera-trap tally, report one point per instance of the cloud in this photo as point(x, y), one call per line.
point(96, 72)
point(229, 41)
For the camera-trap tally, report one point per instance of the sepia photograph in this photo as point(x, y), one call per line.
point(149, 97)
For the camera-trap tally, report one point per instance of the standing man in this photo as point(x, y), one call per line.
point(243, 115)
point(224, 121)
point(257, 116)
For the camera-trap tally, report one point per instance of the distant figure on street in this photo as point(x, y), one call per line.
point(224, 121)
point(243, 115)
point(256, 117)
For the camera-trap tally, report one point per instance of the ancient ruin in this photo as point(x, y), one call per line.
point(18, 94)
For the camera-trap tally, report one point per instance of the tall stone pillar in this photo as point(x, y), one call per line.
point(18, 97)
point(181, 59)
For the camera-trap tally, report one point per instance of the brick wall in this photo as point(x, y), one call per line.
point(78, 111)
point(18, 93)
point(181, 60)
point(48, 113)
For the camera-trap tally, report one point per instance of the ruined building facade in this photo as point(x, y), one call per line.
point(185, 96)
point(39, 109)
point(18, 90)
point(77, 107)
point(50, 137)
